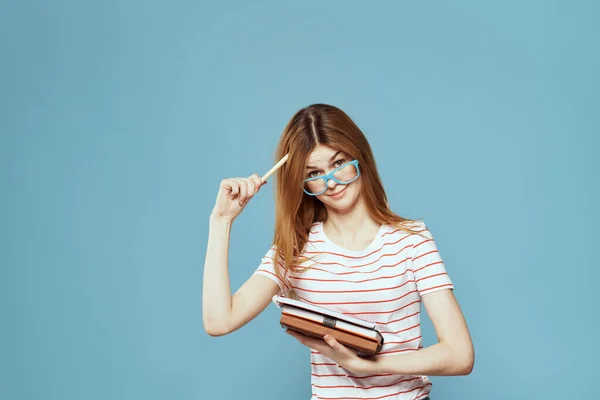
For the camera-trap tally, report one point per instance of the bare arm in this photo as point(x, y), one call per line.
point(223, 313)
point(452, 355)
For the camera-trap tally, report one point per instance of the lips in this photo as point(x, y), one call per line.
point(340, 192)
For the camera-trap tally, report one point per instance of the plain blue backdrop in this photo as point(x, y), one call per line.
point(120, 118)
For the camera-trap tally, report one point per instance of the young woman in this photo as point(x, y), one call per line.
point(357, 257)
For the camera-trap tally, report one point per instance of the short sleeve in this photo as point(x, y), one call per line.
point(267, 267)
point(427, 264)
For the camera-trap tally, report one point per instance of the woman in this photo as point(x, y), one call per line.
point(357, 257)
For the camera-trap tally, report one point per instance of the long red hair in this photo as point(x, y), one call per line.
point(320, 124)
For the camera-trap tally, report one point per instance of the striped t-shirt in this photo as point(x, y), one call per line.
point(382, 283)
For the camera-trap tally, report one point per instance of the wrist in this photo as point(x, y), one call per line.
point(218, 219)
point(376, 365)
point(367, 366)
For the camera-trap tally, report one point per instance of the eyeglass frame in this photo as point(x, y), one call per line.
point(329, 176)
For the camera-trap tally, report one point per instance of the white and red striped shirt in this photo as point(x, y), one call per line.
point(382, 283)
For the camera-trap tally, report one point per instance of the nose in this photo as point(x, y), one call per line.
point(331, 184)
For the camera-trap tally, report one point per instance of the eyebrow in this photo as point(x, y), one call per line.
point(330, 160)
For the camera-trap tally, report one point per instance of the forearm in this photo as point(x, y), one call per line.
point(216, 291)
point(439, 359)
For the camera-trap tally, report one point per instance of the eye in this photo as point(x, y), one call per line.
point(313, 174)
point(339, 162)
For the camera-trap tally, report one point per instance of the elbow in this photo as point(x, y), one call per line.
point(460, 359)
point(465, 362)
point(466, 367)
point(215, 328)
point(215, 331)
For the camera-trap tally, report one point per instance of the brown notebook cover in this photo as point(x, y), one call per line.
point(363, 346)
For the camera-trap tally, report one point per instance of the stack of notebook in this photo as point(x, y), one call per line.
point(315, 321)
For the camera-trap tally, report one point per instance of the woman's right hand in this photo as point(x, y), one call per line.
point(234, 194)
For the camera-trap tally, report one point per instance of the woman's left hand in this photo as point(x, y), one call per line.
point(345, 357)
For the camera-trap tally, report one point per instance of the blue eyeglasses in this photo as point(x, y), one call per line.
point(343, 175)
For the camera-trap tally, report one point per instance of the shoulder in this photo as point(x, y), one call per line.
point(406, 228)
point(411, 232)
point(416, 225)
point(270, 254)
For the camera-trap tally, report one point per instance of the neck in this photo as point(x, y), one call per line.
point(349, 223)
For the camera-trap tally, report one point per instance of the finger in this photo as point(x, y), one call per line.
point(313, 343)
point(251, 190)
point(245, 190)
point(257, 182)
point(226, 185)
point(232, 186)
point(242, 190)
point(334, 344)
point(300, 337)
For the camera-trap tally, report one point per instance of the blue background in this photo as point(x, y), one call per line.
point(119, 119)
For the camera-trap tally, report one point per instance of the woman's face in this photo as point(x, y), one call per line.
point(324, 159)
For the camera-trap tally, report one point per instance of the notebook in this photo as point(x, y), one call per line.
point(318, 321)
